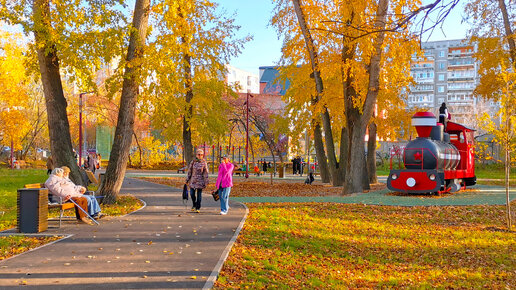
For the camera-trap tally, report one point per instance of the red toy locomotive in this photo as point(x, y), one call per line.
point(438, 160)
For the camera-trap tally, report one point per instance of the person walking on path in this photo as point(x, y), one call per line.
point(197, 179)
point(92, 162)
point(225, 182)
point(50, 164)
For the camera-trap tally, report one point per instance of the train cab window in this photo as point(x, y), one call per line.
point(469, 138)
point(461, 137)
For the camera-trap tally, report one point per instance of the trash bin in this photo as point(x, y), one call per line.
point(32, 210)
point(281, 169)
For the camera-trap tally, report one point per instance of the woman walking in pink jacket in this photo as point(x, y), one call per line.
point(225, 182)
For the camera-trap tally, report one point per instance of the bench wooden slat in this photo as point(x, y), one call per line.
point(35, 185)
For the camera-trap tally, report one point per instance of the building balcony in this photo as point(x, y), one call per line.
point(460, 66)
point(459, 55)
point(460, 78)
point(424, 81)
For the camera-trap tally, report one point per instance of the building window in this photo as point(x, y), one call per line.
point(441, 77)
point(441, 53)
point(440, 89)
point(441, 65)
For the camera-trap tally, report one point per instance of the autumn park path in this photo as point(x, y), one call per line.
point(162, 246)
point(475, 195)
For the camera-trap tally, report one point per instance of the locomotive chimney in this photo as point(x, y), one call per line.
point(424, 122)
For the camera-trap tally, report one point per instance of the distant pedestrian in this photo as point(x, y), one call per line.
point(50, 164)
point(197, 179)
point(264, 166)
point(92, 163)
point(225, 182)
point(257, 170)
point(99, 161)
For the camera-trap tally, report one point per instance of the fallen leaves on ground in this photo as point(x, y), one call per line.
point(14, 245)
point(262, 188)
point(335, 246)
point(125, 204)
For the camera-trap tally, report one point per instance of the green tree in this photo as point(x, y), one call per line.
point(186, 65)
point(119, 156)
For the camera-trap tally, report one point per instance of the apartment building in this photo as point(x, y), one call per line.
point(246, 81)
point(447, 73)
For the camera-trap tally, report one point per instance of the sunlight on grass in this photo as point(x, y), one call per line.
point(14, 245)
point(10, 181)
point(336, 245)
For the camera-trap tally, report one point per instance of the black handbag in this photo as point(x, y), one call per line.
point(215, 194)
point(185, 193)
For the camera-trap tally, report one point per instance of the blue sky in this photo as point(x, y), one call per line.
point(265, 48)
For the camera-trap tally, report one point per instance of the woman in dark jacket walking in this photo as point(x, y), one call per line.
point(197, 179)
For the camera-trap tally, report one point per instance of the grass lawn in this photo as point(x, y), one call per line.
point(10, 181)
point(333, 246)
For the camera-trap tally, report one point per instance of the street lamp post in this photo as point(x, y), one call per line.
point(247, 136)
point(80, 127)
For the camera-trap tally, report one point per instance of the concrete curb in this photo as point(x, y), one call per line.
point(216, 271)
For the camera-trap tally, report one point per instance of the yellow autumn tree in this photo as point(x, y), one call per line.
point(492, 29)
point(13, 92)
point(359, 66)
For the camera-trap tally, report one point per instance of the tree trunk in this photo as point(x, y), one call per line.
point(139, 150)
point(187, 133)
point(344, 140)
point(357, 120)
point(320, 153)
point(371, 154)
point(117, 165)
point(58, 126)
point(332, 164)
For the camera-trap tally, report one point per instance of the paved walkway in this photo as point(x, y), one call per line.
point(162, 246)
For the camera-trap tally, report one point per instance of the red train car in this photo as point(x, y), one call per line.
point(438, 160)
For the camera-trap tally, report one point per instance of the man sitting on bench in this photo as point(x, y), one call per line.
point(93, 204)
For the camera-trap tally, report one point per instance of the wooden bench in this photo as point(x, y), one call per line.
point(61, 205)
point(239, 172)
point(182, 170)
point(92, 177)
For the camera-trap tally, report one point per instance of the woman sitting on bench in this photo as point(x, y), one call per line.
point(93, 204)
point(59, 187)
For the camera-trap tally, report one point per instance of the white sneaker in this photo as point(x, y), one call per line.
point(223, 213)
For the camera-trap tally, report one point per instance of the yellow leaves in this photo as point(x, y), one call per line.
point(328, 245)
